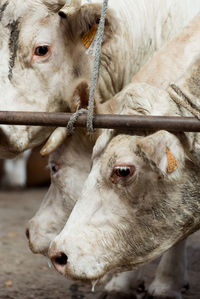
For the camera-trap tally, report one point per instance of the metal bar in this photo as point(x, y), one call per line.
point(107, 121)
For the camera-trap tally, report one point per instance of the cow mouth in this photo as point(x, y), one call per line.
point(35, 250)
point(84, 277)
point(86, 280)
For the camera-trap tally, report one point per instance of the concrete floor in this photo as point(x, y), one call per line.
point(26, 276)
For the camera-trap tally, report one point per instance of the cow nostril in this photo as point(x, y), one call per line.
point(27, 234)
point(61, 259)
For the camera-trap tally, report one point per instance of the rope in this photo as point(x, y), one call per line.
point(181, 99)
point(95, 73)
point(96, 66)
point(73, 119)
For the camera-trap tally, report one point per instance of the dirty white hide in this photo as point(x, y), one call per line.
point(42, 54)
point(142, 194)
point(64, 191)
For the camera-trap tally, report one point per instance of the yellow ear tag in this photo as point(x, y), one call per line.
point(172, 162)
point(88, 37)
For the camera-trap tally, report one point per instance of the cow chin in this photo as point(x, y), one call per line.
point(85, 271)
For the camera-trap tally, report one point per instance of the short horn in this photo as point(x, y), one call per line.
point(54, 141)
point(70, 8)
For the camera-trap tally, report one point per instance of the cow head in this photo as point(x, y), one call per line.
point(42, 54)
point(69, 165)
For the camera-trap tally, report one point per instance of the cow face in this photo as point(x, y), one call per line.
point(69, 166)
point(69, 163)
point(133, 207)
point(32, 54)
point(41, 56)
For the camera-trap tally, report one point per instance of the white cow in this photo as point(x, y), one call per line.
point(64, 191)
point(42, 54)
point(142, 194)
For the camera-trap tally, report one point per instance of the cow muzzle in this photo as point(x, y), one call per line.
point(76, 263)
point(38, 242)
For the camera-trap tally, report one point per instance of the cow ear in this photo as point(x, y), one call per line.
point(80, 96)
point(82, 21)
point(163, 152)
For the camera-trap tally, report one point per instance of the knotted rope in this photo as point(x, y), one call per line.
point(95, 73)
point(182, 100)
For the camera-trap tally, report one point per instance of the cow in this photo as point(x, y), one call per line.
point(70, 165)
point(65, 164)
point(141, 196)
point(46, 44)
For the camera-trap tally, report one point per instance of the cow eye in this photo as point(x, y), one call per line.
point(120, 172)
point(41, 50)
point(54, 168)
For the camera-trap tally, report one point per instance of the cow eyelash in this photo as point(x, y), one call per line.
point(122, 172)
point(42, 50)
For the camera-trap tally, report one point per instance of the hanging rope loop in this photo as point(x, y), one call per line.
point(95, 73)
point(96, 66)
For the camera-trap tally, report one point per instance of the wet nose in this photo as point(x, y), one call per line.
point(59, 260)
point(27, 234)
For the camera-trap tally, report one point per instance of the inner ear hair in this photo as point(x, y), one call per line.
point(88, 16)
point(82, 94)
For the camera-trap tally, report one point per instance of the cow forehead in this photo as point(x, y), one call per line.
point(119, 150)
point(111, 150)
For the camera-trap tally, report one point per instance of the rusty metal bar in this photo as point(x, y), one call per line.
point(107, 121)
